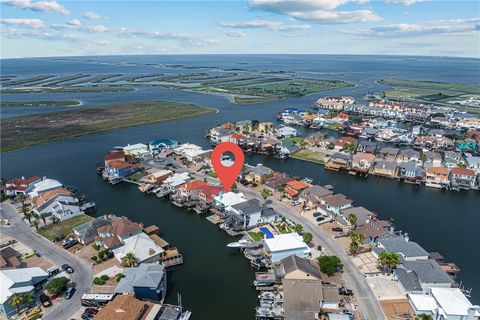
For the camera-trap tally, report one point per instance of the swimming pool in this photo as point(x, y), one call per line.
point(267, 232)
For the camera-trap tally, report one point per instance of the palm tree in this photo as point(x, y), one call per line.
point(17, 300)
point(265, 193)
point(44, 216)
point(357, 240)
point(28, 215)
point(388, 260)
point(54, 219)
point(352, 219)
point(22, 198)
point(35, 223)
point(29, 298)
point(129, 260)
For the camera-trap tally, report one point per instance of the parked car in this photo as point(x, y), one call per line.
point(37, 253)
point(67, 268)
point(347, 312)
point(87, 316)
point(345, 292)
point(45, 300)
point(69, 293)
point(70, 243)
point(317, 214)
point(337, 229)
point(320, 219)
point(91, 311)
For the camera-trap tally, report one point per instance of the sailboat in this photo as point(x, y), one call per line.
point(185, 314)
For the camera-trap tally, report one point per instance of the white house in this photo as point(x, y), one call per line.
point(136, 150)
point(43, 186)
point(286, 132)
point(21, 185)
point(283, 245)
point(176, 180)
point(191, 151)
point(443, 304)
point(246, 214)
point(228, 199)
point(62, 205)
point(144, 249)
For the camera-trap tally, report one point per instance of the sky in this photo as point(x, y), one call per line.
point(31, 28)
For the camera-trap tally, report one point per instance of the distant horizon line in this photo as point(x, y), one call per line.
point(245, 54)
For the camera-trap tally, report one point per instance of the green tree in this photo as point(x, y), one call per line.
point(28, 215)
point(119, 276)
point(329, 264)
point(29, 298)
point(101, 255)
point(298, 228)
point(307, 237)
point(44, 216)
point(265, 193)
point(129, 260)
point(16, 302)
point(388, 261)
point(57, 285)
point(94, 258)
point(352, 219)
point(54, 219)
point(35, 224)
point(22, 199)
point(356, 241)
point(330, 146)
point(424, 316)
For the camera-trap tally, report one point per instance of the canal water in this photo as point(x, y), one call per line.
point(214, 280)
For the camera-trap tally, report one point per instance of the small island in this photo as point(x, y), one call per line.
point(53, 103)
point(21, 132)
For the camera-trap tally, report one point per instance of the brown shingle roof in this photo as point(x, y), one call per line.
point(124, 307)
point(120, 227)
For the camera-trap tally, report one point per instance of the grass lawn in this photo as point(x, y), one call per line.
point(283, 228)
point(254, 236)
point(310, 155)
point(64, 227)
point(296, 140)
point(137, 176)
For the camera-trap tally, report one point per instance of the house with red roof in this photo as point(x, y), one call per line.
point(294, 187)
point(120, 169)
point(16, 186)
point(207, 193)
point(463, 178)
point(238, 138)
point(340, 144)
point(191, 189)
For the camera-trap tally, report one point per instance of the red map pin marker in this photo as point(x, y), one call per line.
point(227, 175)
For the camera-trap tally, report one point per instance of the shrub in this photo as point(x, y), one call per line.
point(57, 285)
point(96, 247)
point(105, 277)
point(98, 281)
point(94, 258)
point(119, 276)
point(101, 255)
point(329, 264)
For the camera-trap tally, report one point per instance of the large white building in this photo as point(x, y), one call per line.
point(284, 245)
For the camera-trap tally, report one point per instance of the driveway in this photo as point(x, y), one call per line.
point(82, 277)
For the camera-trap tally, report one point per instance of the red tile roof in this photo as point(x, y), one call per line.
point(463, 171)
point(20, 181)
point(120, 227)
point(113, 155)
point(297, 185)
point(238, 136)
point(195, 184)
point(210, 191)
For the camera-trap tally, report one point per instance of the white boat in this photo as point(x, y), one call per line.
point(242, 244)
point(185, 316)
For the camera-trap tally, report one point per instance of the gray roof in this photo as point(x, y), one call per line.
point(87, 231)
point(315, 191)
point(410, 153)
point(261, 170)
point(389, 165)
point(361, 213)
point(389, 150)
point(146, 275)
point(414, 273)
point(400, 245)
point(409, 280)
point(433, 155)
point(249, 207)
point(294, 262)
point(302, 298)
point(341, 156)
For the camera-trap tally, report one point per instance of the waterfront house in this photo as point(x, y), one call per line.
point(338, 161)
point(268, 146)
point(120, 170)
point(408, 155)
point(473, 163)
point(116, 155)
point(58, 202)
point(161, 145)
point(452, 159)
point(433, 159)
point(312, 196)
point(190, 190)
point(294, 187)
point(374, 230)
point(142, 246)
point(284, 245)
point(277, 182)
point(420, 276)
point(385, 168)
point(286, 132)
point(389, 153)
point(366, 146)
point(16, 186)
point(138, 150)
point(207, 193)
point(285, 149)
point(343, 141)
point(113, 234)
point(245, 215)
point(411, 172)
point(192, 152)
point(148, 281)
point(315, 139)
point(437, 177)
point(444, 143)
point(43, 186)
point(408, 250)
point(238, 139)
point(332, 204)
point(243, 126)
point(463, 178)
point(19, 282)
point(265, 127)
point(425, 142)
point(297, 268)
point(444, 303)
point(87, 231)
point(218, 134)
point(362, 215)
point(362, 162)
point(126, 307)
point(227, 199)
point(258, 174)
point(156, 176)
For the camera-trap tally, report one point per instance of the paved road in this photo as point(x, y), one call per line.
point(82, 277)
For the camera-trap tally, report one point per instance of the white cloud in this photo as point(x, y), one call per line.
point(263, 24)
point(185, 39)
point(42, 6)
point(30, 23)
point(404, 2)
point(74, 22)
point(77, 25)
point(236, 34)
point(92, 15)
point(319, 11)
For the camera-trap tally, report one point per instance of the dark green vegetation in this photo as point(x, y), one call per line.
point(330, 264)
point(20, 132)
point(39, 103)
point(68, 89)
point(445, 93)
